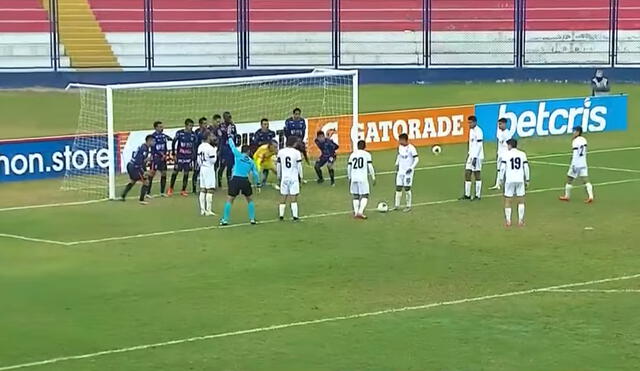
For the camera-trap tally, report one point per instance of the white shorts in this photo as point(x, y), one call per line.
point(512, 189)
point(359, 187)
point(575, 172)
point(207, 178)
point(403, 179)
point(290, 187)
point(469, 165)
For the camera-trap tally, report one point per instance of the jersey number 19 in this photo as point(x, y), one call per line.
point(516, 163)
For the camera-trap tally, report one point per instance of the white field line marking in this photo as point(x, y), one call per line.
point(13, 208)
point(24, 238)
point(590, 167)
point(602, 291)
point(314, 216)
point(314, 322)
point(460, 164)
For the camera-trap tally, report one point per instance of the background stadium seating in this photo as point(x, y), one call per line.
point(191, 33)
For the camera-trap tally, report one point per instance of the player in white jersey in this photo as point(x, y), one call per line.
point(406, 163)
point(515, 176)
point(578, 168)
point(502, 136)
point(359, 168)
point(289, 169)
point(207, 157)
point(475, 157)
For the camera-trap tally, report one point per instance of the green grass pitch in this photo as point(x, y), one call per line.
point(119, 286)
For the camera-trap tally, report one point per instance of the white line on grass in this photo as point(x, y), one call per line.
point(603, 291)
point(313, 216)
point(445, 166)
point(25, 238)
point(314, 322)
point(590, 167)
point(13, 208)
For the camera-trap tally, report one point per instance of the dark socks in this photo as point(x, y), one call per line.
point(143, 191)
point(194, 180)
point(185, 181)
point(163, 183)
point(318, 172)
point(127, 188)
point(174, 175)
point(332, 175)
point(150, 184)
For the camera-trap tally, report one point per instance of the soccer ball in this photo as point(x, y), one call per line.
point(436, 150)
point(383, 207)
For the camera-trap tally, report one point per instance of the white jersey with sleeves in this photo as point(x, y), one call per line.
point(503, 136)
point(289, 164)
point(407, 157)
point(579, 158)
point(476, 148)
point(360, 166)
point(514, 167)
point(207, 155)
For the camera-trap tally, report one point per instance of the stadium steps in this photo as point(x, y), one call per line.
point(84, 41)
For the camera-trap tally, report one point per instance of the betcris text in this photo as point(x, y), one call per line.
point(555, 116)
point(42, 158)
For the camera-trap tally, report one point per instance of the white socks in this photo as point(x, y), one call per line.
point(398, 198)
point(521, 213)
point(567, 190)
point(356, 206)
point(507, 214)
point(409, 198)
point(363, 205)
point(589, 187)
point(467, 188)
point(203, 202)
point(497, 178)
point(294, 209)
point(478, 188)
point(281, 209)
point(209, 202)
point(408, 195)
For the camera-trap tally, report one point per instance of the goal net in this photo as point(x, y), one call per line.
point(114, 119)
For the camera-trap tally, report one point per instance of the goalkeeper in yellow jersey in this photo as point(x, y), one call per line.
point(264, 159)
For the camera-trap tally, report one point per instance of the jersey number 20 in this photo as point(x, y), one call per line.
point(358, 163)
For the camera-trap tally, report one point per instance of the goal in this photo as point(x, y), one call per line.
point(114, 119)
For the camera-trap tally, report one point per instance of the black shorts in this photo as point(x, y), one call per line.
point(159, 164)
point(135, 173)
point(183, 164)
point(323, 160)
point(239, 185)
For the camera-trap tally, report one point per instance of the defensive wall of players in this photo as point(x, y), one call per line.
point(38, 158)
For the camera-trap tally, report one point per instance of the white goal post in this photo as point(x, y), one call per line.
point(112, 117)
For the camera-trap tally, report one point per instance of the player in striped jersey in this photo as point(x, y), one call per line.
point(515, 176)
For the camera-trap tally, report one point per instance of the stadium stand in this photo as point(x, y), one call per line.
point(111, 33)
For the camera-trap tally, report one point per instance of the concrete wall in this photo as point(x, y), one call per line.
point(357, 48)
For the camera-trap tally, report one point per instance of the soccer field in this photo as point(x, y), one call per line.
point(119, 286)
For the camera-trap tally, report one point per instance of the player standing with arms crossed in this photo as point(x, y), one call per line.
point(136, 169)
point(159, 155)
point(502, 136)
point(184, 152)
point(578, 168)
point(243, 165)
point(226, 130)
point(289, 169)
point(359, 168)
point(328, 150)
point(515, 175)
point(207, 157)
point(473, 165)
point(406, 163)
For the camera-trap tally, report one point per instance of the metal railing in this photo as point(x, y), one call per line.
point(245, 34)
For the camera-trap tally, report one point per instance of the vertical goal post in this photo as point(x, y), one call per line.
point(107, 110)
